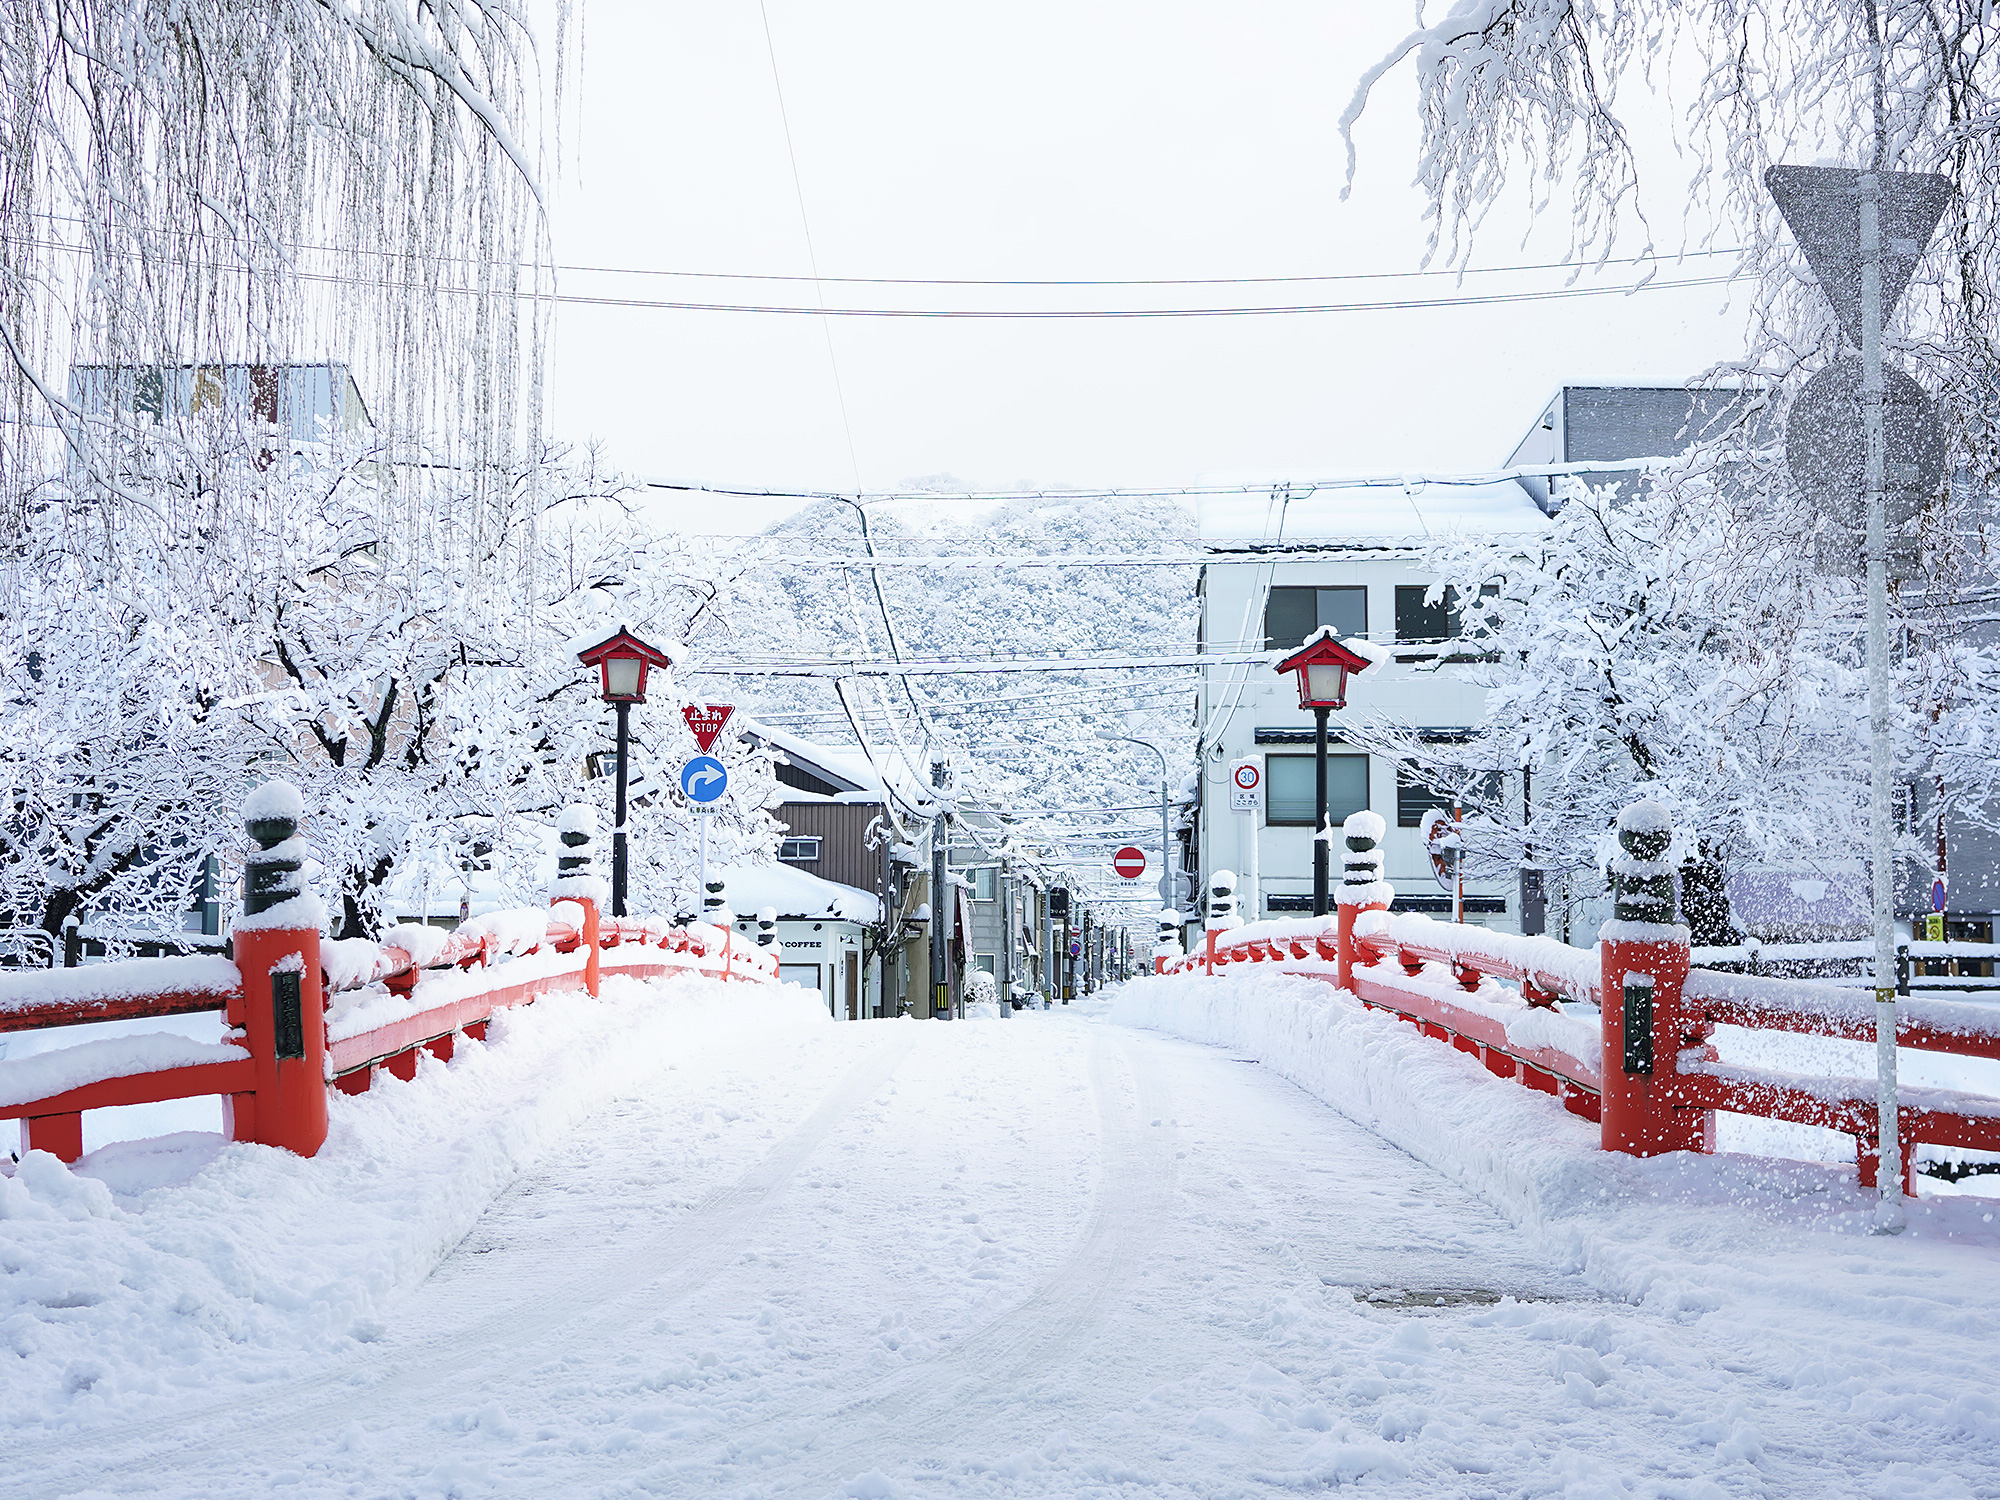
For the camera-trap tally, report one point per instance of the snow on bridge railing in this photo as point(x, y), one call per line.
point(1642, 1064)
point(303, 1014)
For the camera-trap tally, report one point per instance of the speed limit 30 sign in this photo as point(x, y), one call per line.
point(1246, 786)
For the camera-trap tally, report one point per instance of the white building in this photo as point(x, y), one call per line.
point(1281, 567)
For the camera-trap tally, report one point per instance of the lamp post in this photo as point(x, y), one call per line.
point(1323, 664)
point(623, 661)
point(1166, 870)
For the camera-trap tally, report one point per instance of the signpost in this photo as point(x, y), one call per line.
point(706, 722)
point(1441, 842)
point(1934, 921)
point(1129, 863)
point(1246, 796)
point(705, 782)
point(1863, 232)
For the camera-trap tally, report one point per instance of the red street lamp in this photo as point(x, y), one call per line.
point(1323, 665)
point(622, 662)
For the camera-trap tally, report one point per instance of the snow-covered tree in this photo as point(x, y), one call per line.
point(188, 185)
point(159, 663)
point(1706, 571)
point(1015, 739)
point(1632, 651)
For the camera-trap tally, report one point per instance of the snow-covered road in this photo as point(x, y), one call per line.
point(1047, 1256)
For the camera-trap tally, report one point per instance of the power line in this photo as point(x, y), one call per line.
point(1410, 304)
point(1411, 483)
point(832, 668)
point(1143, 281)
point(1086, 281)
point(649, 304)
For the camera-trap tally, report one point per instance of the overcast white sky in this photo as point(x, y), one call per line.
point(1144, 138)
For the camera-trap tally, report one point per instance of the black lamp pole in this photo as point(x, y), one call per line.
point(618, 824)
point(1321, 859)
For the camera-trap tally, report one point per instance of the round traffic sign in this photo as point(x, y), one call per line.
point(705, 780)
point(1246, 775)
point(1129, 862)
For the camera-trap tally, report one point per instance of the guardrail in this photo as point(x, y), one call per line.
point(304, 1015)
point(1633, 1053)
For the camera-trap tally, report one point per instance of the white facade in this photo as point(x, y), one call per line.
point(1360, 541)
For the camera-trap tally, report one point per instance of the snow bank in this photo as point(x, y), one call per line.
point(215, 1264)
point(204, 975)
point(1515, 1146)
point(1682, 1234)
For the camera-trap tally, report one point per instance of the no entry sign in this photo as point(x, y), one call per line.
point(1129, 862)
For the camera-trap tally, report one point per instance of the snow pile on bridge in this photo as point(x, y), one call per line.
point(186, 1261)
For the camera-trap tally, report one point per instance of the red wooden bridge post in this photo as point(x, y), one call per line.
point(1221, 914)
point(282, 1015)
point(1362, 887)
point(1646, 1022)
point(577, 828)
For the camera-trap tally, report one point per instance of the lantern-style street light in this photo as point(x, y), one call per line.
point(622, 662)
point(1323, 665)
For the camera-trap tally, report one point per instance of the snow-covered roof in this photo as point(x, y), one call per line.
point(796, 893)
point(1404, 513)
point(844, 766)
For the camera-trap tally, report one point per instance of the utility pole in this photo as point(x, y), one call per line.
point(1006, 955)
point(940, 896)
point(1889, 1161)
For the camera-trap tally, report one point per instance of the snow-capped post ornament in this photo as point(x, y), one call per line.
point(1222, 902)
point(576, 827)
point(279, 1014)
point(767, 926)
point(1646, 1025)
point(1167, 942)
point(272, 873)
point(715, 902)
point(575, 880)
point(1362, 887)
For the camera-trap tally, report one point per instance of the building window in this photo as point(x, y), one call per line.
point(986, 963)
point(1292, 614)
point(1414, 798)
point(1482, 791)
point(1289, 798)
point(805, 851)
point(1422, 622)
point(985, 883)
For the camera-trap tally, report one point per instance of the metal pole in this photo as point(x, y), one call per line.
point(1457, 868)
point(1320, 853)
point(940, 986)
point(1166, 840)
point(701, 871)
point(1889, 1161)
point(1006, 954)
point(618, 822)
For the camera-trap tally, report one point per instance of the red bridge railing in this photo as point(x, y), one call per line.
point(1643, 1066)
point(304, 1015)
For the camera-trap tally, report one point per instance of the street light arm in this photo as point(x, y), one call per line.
point(1167, 891)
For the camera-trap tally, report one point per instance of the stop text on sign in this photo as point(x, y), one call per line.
point(1129, 862)
point(706, 721)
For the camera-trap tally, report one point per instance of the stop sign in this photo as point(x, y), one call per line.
point(1129, 862)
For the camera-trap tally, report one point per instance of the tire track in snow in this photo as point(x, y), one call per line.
point(944, 1394)
point(548, 1314)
